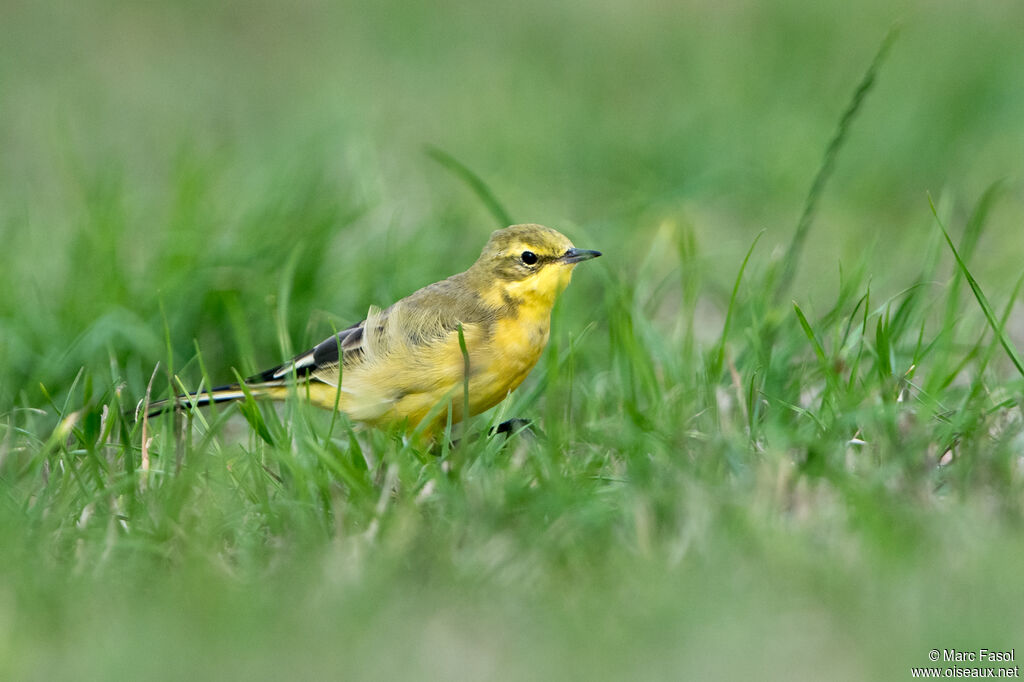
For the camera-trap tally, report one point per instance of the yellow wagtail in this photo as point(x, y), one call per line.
point(400, 364)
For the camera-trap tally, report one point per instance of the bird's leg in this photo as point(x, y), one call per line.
point(508, 427)
point(512, 426)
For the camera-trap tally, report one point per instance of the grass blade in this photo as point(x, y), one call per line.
point(474, 182)
point(819, 350)
point(792, 257)
point(465, 383)
point(986, 308)
point(716, 366)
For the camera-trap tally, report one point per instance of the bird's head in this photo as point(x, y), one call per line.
point(527, 263)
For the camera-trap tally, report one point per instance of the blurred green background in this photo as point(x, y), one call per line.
point(244, 177)
point(181, 152)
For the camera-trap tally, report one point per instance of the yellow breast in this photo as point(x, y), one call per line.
point(516, 345)
point(501, 355)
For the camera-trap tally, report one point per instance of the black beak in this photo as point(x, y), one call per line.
point(578, 255)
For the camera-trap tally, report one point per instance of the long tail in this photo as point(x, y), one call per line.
point(220, 394)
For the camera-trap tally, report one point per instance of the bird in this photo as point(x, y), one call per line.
point(405, 365)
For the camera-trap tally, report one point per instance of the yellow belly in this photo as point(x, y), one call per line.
point(498, 363)
point(517, 346)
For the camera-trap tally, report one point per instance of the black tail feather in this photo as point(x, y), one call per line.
point(220, 394)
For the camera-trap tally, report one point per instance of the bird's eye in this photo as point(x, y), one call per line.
point(529, 257)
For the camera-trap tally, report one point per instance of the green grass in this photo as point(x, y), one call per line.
point(767, 445)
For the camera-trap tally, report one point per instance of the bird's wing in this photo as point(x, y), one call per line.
point(420, 320)
point(319, 360)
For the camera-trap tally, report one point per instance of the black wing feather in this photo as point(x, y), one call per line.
point(324, 354)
